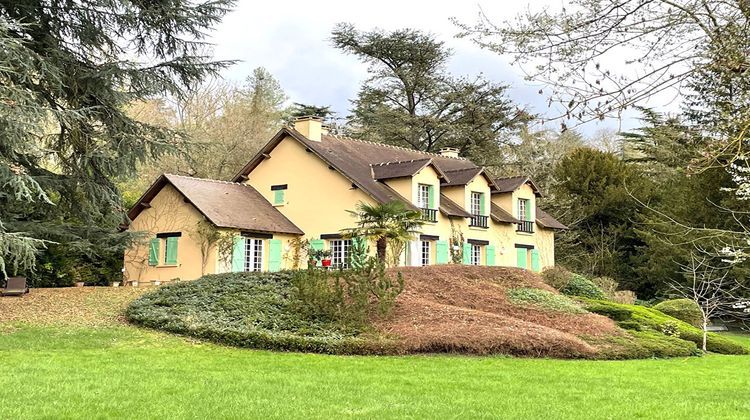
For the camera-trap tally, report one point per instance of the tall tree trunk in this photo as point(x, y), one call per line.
point(705, 334)
point(381, 245)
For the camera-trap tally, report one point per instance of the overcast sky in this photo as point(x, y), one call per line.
point(292, 40)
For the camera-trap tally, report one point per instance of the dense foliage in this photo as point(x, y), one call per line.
point(247, 310)
point(581, 286)
point(411, 100)
point(67, 70)
point(648, 320)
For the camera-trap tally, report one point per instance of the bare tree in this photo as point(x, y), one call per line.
point(713, 290)
point(600, 57)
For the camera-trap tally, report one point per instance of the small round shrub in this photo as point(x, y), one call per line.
point(556, 277)
point(682, 309)
point(581, 286)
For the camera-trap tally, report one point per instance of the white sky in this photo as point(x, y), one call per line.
point(290, 38)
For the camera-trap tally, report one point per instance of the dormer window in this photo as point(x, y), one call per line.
point(524, 215)
point(426, 202)
point(476, 207)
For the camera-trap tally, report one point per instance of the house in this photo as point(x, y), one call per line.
point(301, 186)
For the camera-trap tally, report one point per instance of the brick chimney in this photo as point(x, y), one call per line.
point(449, 152)
point(309, 126)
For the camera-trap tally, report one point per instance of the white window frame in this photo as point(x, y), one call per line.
point(522, 203)
point(425, 252)
point(254, 254)
point(340, 251)
point(476, 202)
point(476, 254)
point(423, 196)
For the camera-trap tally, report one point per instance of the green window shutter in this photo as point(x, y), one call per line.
point(315, 245)
point(535, 260)
point(467, 253)
point(274, 255)
point(441, 251)
point(528, 210)
point(170, 256)
point(490, 250)
point(238, 254)
point(153, 252)
point(482, 211)
point(521, 257)
point(278, 197)
point(431, 195)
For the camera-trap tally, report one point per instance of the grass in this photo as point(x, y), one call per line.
point(125, 372)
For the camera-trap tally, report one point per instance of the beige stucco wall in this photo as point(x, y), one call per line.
point(168, 213)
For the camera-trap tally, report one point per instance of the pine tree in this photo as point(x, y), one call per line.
point(67, 69)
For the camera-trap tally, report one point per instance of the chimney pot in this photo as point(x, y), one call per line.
point(449, 152)
point(309, 126)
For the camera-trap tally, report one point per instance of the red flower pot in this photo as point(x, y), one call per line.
point(326, 263)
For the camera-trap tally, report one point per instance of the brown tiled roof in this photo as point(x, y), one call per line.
point(451, 209)
point(547, 221)
point(512, 183)
point(462, 176)
point(225, 204)
point(499, 215)
point(353, 159)
point(400, 169)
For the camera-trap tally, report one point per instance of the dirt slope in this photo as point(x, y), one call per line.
point(465, 309)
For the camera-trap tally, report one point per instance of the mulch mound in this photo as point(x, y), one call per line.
point(74, 306)
point(464, 309)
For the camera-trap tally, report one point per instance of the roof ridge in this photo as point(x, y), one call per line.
point(391, 146)
point(463, 169)
point(218, 181)
point(393, 162)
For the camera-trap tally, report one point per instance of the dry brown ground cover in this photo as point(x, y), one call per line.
point(465, 309)
point(75, 306)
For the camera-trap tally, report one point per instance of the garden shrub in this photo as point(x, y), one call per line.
point(249, 310)
point(650, 319)
point(682, 309)
point(643, 344)
point(543, 299)
point(556, 276)
point(581, 286)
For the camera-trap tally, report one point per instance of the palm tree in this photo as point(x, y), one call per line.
point(392, 221)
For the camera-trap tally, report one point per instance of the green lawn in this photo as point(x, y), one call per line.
point(106, 372)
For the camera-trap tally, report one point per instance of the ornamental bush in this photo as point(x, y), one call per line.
point(642, 319)
point(556, 276)
point(543, 299)
point(581, 286)
point(682, 309)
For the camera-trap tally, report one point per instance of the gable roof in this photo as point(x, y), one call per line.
point(499, 215)
point(451, 209)
point(225, 204)
point(547, 221)
point(353, 159)
point(511, 184)
point(403, 168)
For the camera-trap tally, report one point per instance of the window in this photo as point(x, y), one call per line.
point(476, 203)
point(279, 193)
point(423, 196)
point(425, 260)
point(523, 209)
point(167, 241)
point(476, 254)
point(340, 249)
point(253, 254)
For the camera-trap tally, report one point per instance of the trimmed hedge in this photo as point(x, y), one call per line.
point(581, 286)
point(682, 309)
point(543, 299)
point(248, 310)
point(641, 319)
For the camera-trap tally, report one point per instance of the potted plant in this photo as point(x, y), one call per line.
point(157, 282)
point(322, 255)
point(325, 258)
point(79, 284)
point(115, 284)
point(134, 283)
